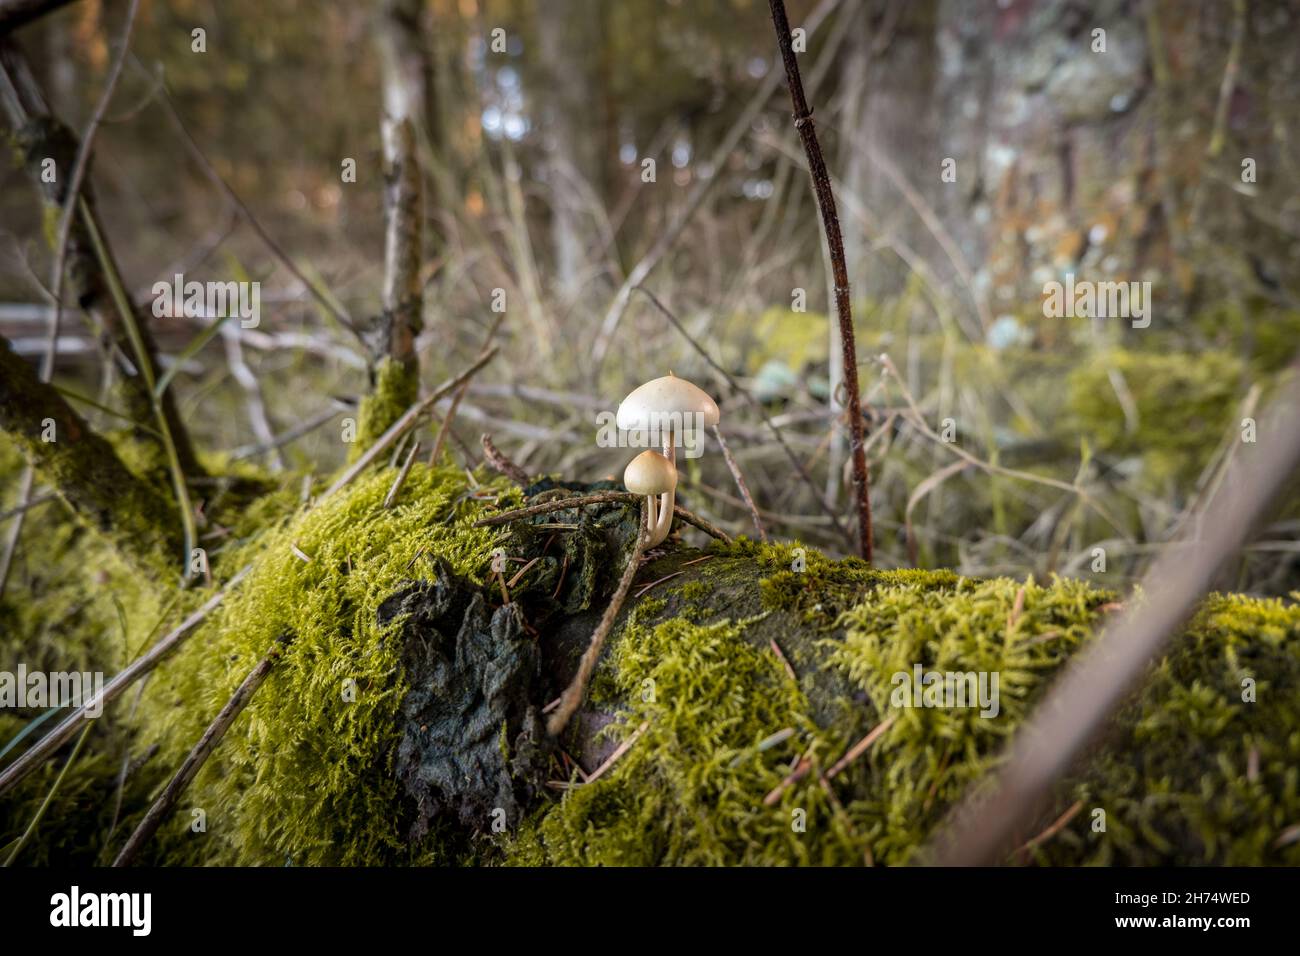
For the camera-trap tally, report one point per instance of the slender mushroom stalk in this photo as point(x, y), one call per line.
point(669, 407)
point(651, 474)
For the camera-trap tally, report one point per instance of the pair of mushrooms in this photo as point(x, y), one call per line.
point(659, 405)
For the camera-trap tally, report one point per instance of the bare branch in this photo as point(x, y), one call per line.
point(803, 122)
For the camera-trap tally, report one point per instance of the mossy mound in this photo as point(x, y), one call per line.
point(739, 677)
point(1181, 406)
point(307, 776)
point(719, 724)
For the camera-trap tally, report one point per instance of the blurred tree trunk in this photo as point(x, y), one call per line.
point(1105, 140)
point(571, 35)
point(406, 64)
point(891, 74)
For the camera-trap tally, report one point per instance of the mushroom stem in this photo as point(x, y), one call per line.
point(659, 527)
point(650, 515)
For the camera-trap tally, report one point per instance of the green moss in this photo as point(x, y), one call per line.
point(305, 774)
point(1196, 771)
point(699, 673)
point(691, 788)
point(1184, 403)
point(396, 388)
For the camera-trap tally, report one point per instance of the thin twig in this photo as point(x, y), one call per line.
point(621, 749)
point(917, 418)
point(43, 498)
point(776, 649)
point(194, 761)
point(861, 747)
point(571, 699)
point(1057, 826)
point(401, 476)
point(801, 770)
point(142, 665)
point(803, 122)
point(445, 428)
point(49, 797)
point(500, 463)
point(667, 577)
point(740, 483)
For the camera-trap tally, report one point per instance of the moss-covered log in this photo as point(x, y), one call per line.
point(725, 723)
point(83, 467)
point(42, 138)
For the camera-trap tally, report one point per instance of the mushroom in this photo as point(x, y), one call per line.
point(651, 474)
point(662, 406)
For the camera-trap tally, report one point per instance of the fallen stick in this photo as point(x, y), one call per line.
point(500, 463)
point(571, 699)
point(197, 757)
point(740, 483)
point(142, 665)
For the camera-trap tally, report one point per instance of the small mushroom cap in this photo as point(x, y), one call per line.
point(666, 396)
point(650, 473)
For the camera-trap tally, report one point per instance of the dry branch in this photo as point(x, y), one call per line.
point(403, 424)
point(194, 761)
point(41, 751)
point(803, 122)
point(501, 464)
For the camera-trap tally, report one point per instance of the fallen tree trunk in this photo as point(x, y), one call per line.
point(755, 703)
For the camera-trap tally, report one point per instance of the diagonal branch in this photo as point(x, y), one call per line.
point(1074, 712)
point(82, 466)
point(40, 136)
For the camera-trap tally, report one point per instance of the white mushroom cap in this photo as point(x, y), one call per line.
point(650, 473)
point(666, 396)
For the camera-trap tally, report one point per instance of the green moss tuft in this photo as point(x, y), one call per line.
point(1183, 402)
point(396, 388)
